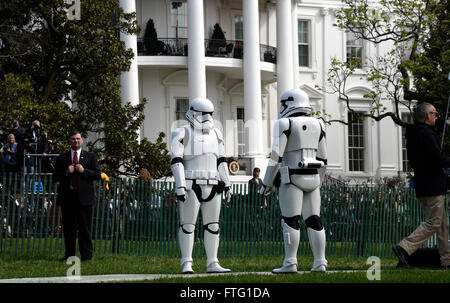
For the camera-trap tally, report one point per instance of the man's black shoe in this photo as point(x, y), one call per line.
point(86, 258)
point(402, 256)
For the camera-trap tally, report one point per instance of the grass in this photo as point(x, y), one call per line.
point(44, 265)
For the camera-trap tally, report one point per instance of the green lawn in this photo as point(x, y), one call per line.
point(36, 265)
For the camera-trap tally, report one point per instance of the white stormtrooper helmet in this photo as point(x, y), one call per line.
point(200, 114)
point(294, 101)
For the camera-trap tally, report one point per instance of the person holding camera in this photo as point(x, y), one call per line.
point(10, 158)
point(34, 133)
point(428, 162)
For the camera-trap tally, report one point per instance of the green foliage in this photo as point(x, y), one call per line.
point(66, 73)
point(18, 101)
point(431, 66)
point(134, 155)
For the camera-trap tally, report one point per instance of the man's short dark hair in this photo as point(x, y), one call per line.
point(75, 132)
point(421, 111)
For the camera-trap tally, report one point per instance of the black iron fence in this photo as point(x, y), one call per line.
point(132, 216)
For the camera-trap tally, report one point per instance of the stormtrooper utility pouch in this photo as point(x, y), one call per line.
point(285, 177)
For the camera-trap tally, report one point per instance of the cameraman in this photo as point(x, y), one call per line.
point(37, 140)
point(34, 133)
point(427, 161)
point(10, 157)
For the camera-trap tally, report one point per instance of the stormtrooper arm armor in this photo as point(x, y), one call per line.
point(322, 148)
point(222, 166)
point(177, 166)
point(280, 137)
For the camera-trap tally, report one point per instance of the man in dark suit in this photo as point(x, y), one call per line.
point(76, 171)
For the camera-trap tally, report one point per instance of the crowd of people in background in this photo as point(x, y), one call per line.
point(27, 151)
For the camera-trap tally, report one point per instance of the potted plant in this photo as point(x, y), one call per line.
point(217, 41)
point(151, 38)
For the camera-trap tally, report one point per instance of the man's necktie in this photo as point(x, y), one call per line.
point(74, 175)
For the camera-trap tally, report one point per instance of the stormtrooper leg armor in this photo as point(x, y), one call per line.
point(290, 204)
point(316, 232)
point(294, 201)
point(188, 211)
point(210, 215)
point(291, 236)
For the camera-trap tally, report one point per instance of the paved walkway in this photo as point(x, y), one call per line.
point(142, 277)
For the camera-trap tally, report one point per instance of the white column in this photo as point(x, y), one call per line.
point(295, 63)
point(325, 54)
point(129, 80)
point(196, 50)
point(252, 79)
point(285, 79)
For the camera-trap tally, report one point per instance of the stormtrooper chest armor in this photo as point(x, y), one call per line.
point(201, 152)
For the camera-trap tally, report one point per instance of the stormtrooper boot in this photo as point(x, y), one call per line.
point(317, 242)
point(291, 240)
point(216, 268)
point(187, 268)
point(211, 246)
point(186, 241)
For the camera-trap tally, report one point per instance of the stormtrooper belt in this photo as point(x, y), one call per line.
point(305, 171)
point(218, 187)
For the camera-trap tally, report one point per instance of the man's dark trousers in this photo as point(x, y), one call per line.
point(77, 217)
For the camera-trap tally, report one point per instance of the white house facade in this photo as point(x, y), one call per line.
point(270, 46)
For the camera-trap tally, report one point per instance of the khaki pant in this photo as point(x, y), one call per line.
point(435, 222)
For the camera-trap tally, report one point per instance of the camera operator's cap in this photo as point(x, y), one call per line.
point(15, 121)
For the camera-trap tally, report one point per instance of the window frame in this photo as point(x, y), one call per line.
point(407, 117)
point(312, 67)
point(235, 15)
point(350, 148)
point(173, 27)
point(307, 44)
point(183, 120)
point(238, 131)
point(361, 46)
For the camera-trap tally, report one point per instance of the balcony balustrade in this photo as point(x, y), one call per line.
point(213, 48)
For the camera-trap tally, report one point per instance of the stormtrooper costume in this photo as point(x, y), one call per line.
point(201, 175)
point(298, 151)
